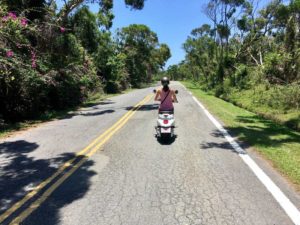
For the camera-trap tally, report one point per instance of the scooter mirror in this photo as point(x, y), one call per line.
point(176, 92)
point(154, 91)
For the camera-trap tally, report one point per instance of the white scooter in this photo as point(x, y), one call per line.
point(165, 124)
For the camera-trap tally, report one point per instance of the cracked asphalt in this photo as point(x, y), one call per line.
point(134, 179)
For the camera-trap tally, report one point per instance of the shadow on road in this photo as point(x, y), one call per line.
point(254, 130)
point(216, 146)
point(89, 112)
point(89, 109)
point(263, 132)
point(74, 188)
point(168, 141)
point(97, 113)
point(147, 107)
point(217, 134)
point(20, 173)
point(95, 104)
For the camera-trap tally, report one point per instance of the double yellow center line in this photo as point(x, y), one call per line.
point(83, 155)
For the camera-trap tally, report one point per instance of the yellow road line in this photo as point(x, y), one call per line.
point(53, 187)
point(66, 165)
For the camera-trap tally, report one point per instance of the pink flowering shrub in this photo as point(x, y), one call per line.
point(33, 59)
point(24, 22)
point(13, 32)
point(14, 20)
point(9, 54)
point(41, 67)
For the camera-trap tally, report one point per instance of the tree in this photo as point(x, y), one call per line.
point(53, 58)
point(161, 56)
point(138, 42)
point(118, 76)
point(70, 5)
point(85, 27)
point(222, 12)
point(32, 10)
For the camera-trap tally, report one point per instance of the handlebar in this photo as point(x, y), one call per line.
point(154, 91)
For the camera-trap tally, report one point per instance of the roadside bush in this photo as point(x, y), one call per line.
point(281, 97)
point(240, 78)
point(22, 92)
point(67, 51)
point(292, 96)
point(118, 75)
point(277, 67)
point(218, 90)
point(30, 83)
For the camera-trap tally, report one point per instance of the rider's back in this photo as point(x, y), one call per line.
point(166, 99)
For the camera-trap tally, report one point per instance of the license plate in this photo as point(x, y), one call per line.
point(165, 130)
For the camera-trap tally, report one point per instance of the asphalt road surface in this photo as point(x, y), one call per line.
point(130, 178)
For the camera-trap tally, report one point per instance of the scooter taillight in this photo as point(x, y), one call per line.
point(166, 121)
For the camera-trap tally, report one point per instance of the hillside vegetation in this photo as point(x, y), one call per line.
point(276, 143)
point(52, 58)
point(249, 55)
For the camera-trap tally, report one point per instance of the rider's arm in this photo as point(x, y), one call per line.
point(174, 97)
point(157, 96)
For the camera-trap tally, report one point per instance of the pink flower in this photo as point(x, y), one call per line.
point(33, 64)
point(12, 15)
point(62, 29)
point(24, 22)
point(9, 54)
point(5, 18)
point(33, 59)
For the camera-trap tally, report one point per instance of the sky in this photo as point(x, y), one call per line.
point(172, 20)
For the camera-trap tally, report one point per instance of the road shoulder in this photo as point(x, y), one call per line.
point(289, 186)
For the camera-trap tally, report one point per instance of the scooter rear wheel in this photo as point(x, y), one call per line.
point(166, 137)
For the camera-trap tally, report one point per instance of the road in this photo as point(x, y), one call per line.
point(130, 178)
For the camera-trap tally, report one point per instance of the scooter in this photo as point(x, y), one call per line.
point(165, 124)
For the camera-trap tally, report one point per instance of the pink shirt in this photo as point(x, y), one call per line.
point(167, 104)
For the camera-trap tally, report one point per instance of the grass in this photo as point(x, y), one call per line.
point(247, 99)
point(93, 99)
point(275, 142)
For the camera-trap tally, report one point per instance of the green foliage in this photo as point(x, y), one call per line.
point(70, 44)
point(53, 59)
point(276, 142)
point(32, 10)
point(161, 55)
point(118, 79)
point(223, 31)
point(240, 78)
point(144, 54)
point(281, 97)
point(85, 27)
point(248, 57)
point(244, 48)
point(36, 77)
point(274, 67)
point(137, 4)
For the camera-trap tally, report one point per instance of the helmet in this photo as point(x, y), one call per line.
point(165, 81)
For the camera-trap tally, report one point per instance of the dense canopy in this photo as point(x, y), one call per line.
point(54, 58)
point(247, 52)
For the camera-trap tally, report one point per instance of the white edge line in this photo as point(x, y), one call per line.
point(280, 197)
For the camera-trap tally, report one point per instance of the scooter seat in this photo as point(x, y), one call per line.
point(166, 111)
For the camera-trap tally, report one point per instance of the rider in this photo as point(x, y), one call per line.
point(166, 96)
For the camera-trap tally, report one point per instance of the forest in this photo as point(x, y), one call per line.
point(249, 54)
point(52, 58)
